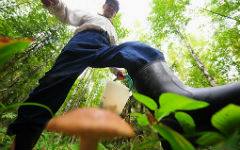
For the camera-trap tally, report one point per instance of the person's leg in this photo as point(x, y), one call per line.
point(52, 90)
point(25, 140)
point(152, 77)
point(130, 55)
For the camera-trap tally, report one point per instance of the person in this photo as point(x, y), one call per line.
point(94, 45)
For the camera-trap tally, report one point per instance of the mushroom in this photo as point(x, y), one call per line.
point(91, 125)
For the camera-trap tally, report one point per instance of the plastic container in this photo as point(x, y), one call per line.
point(115, 96)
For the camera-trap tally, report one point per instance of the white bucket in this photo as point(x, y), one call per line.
point(115, 96)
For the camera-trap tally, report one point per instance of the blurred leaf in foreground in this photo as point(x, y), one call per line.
point(9, 47)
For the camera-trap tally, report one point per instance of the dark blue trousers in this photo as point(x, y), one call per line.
point(89, 48)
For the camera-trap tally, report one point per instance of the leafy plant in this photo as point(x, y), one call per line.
point(176, 140)
point(170, 103)
point(55, 141)
point(226, 120)
point(141, 119)
point(10, 47)
point(186, 122)
point(8, 115)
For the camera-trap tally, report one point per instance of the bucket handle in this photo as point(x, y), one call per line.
point(129, 79)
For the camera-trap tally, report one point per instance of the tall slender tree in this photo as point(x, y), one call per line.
point(167, 19)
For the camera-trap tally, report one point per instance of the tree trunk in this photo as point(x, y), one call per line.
point(200, 65)
point(70, 102)
point(81, 94)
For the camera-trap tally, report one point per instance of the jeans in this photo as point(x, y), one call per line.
point(89, 48)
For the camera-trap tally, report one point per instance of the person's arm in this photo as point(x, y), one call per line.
point(63, 13)
point(118, 72)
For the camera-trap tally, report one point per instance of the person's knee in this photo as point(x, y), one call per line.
point(143, 50)
point(135, 44)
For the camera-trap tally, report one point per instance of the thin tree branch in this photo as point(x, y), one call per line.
point(221, 15)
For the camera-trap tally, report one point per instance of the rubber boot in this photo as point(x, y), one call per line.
point(157, 78)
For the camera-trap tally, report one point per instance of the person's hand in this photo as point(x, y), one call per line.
point(48, 3)
point(121, 75)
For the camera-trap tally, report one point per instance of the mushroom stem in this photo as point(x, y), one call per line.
point(87, 143)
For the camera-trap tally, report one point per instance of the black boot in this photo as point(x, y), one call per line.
point(156, 78)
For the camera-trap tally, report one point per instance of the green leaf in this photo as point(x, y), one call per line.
point(75, 146)
point(171, 102)
point(177, 141)
point(9, 115)
point(10, 47)
point(231, 143)
point(2, 105)
point(150, 103)
point(227, 120)
point(141, 119)
point(135, 114)
point(160, 113)
point(186, 122)
point(210, 138)
point(101, 146)
point(144, 144)
point(26, 104)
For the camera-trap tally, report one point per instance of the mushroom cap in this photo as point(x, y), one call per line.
point(91, 122)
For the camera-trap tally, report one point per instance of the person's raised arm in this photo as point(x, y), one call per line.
point(63, 13)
